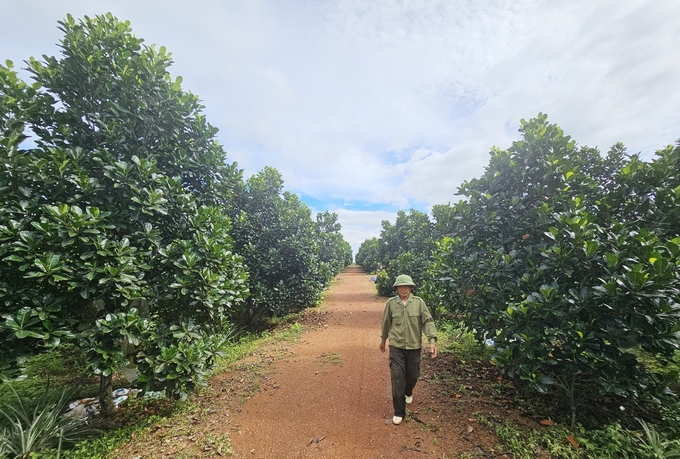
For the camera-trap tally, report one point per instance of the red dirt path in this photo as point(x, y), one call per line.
point(332, 397)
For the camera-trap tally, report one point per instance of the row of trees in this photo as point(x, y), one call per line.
point(403, 247)
point(567, 259)
point(289, 257)
point(124, 229)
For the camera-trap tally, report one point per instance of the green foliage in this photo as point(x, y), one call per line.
point(656, 445)
point(115, 233)
point(406, 262)
point(553, 258)
point(456, 338)
point(384, 284)
point(46, 374)
point(667, 371)
point(110, 226)
point(96, 448)
point(178, 358)
point(42, 428)
point(368, 256)
point(609, 442)
point(404, 247)
point(115, 230)
point(290, 258)
point(670, 417)
point(347, 252)
point(58, 366)
point(291, 333)
point(410, 233)
point(334, 251)
point(530, 443)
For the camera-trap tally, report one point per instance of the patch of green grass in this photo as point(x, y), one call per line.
point(292, 333)
point(329, 359)
point(454, 338)
point(609, 442)
point(58, 364)
point(666, 370)
point(244, 347)
point(530, 443)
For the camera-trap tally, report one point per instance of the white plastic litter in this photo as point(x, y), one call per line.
point(85, 408)
point(118, 400)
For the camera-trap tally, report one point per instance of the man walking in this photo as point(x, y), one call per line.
point(405, 319)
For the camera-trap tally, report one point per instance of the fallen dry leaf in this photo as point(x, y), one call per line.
point(546, 422)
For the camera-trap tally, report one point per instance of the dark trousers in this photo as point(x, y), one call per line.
point(405, 370)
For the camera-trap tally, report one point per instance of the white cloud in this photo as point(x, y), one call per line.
point(357, 226)
point(397, 102)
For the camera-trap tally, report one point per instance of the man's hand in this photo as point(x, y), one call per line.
point(382, 347)
point(433, 350)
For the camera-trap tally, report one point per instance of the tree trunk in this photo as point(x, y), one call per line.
point(106, 395)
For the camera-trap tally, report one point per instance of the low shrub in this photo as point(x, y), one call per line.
point(45, 427)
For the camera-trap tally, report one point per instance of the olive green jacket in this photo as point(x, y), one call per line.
point(404, 324)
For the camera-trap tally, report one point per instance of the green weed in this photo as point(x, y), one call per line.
point(292, 333)
point(41, 428)
point(526, 443)
point(456, 339)
point(609, 442)
point(657, 445)
point(234, 352)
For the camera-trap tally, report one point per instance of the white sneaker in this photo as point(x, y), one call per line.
point(409, 399)
point(396, 420)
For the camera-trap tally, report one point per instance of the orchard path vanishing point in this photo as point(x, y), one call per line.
point(328, 395)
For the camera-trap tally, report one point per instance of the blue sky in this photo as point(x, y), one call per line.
point(367, 107)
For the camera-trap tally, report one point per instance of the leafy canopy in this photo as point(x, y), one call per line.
point(561, 256)
point(110, 230)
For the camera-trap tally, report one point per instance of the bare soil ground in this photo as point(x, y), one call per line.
point(328, 395)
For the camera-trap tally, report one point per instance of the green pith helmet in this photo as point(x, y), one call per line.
point(403, 279)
